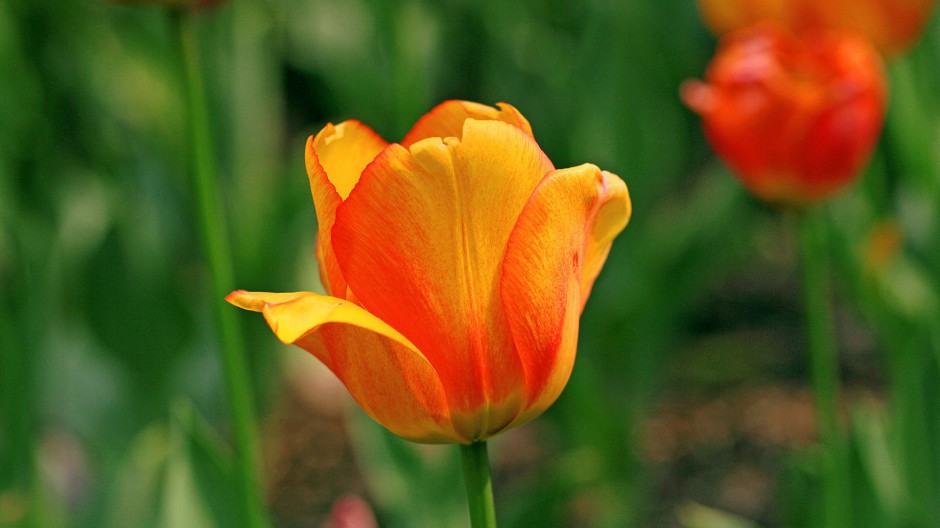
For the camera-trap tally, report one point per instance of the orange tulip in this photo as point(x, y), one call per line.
point(891, 25)
point(457, 263)
point(795, 118)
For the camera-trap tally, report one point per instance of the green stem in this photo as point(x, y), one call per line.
point(17, 393)
point(910, 400)
point(476, 477)
point(824, 366)
point(211, 223)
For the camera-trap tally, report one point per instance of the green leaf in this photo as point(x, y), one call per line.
point(694, 515)
point(174, 475)
point(133, 499)
point(199, 487)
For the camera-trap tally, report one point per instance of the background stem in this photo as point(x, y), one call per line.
point(211, 223)
point(824, 366)
point(476, 476)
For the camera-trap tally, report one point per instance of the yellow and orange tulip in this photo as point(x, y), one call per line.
point(795, 118)
point(457, 265)
point(892, 26)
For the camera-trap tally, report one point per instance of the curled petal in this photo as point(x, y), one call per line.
point(554, 254)
point(335, 158)
point(421, 241)
point(390, 378)
point(446, 120)
point(612, 213)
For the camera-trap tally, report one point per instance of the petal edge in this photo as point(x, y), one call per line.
point(389, 378)
point(447, 119)
point(335, 159)
point(553, 256)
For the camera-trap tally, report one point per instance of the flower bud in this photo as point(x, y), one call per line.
point(795, 118)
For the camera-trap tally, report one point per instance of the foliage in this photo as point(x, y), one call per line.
point(104, 323)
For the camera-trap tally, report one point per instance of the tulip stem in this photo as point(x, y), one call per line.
point(824, 366)
point(211, 224)
point(476, 476)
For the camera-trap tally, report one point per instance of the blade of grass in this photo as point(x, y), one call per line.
point(824, 367)
point(211, 223)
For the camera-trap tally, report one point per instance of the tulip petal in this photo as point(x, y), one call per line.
point(554, 254)
point(421, 241)
point(389, 378)
point(335, 158)
point(446, 120)
point(613, 212)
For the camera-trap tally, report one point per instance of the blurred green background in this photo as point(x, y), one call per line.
point(689, 404)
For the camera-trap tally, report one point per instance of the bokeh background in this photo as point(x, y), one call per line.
point(689, 403)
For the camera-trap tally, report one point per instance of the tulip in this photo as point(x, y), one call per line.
point(457, 264)
point(795, 118)
point(893, 26)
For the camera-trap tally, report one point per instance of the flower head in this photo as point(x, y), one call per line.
point(892, 26)
point(795, 118)
point(457, 264)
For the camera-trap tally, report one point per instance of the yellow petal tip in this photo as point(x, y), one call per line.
point(256, 301)
point(245, 300)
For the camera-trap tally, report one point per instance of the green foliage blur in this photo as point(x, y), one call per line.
point(688, 403)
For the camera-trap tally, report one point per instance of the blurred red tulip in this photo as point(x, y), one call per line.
point(892, 26)
point(795, 118)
